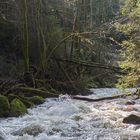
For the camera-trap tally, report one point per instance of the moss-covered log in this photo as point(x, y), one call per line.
point(35, 92)
point(105, 98)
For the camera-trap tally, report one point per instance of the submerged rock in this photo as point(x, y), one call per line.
point(4, 106)
point(33, 130)
point(17, 108)
point(130, 102)
point(132, 119)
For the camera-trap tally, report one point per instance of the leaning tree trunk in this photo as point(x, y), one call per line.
point(28, 75)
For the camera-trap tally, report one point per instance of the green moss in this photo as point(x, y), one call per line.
point(4, 106)
point(37, 100)
point(17, 108)
point(26, 102)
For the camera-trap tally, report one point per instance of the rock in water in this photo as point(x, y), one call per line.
point(33, 130)
point(4, 106)
point(132, 119)
point(17, 108)
point(36, 100)
point(130, 102)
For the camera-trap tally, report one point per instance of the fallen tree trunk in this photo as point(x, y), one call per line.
point(103, 98)
point(91, 65)
point(48, 94)
point(35, 92)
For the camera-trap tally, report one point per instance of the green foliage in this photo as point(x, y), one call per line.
point(129, 6)
point(131, 49)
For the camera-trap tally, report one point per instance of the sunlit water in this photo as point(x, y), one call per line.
point(67, 119)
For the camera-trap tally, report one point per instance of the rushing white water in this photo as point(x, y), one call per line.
point(67, 119)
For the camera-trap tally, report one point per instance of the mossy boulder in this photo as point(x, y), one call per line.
point(33, 130)
point(17, 108)
point(37, 100)
point(4, 106)
point(26, 102)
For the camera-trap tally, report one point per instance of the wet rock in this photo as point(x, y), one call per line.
point(17, 108)
point(130, 109)
point(55, 130)
point(132, 119)
point(33, 130)
point(77, 118)
point(4, 106)
point(27, 103)
point(130, 102)
point(36, 100)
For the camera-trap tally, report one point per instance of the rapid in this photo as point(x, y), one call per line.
point(68, 119)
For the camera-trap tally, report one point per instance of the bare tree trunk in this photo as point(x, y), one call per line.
point(25, 36)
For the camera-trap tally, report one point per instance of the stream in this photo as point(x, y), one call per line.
point(67, 119)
